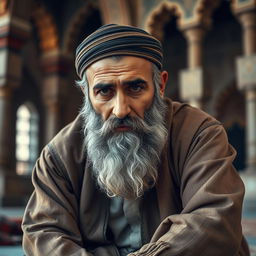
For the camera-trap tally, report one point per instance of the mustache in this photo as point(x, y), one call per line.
point(136, 123)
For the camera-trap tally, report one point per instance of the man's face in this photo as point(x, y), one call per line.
point(121, 87)
point(124, 124)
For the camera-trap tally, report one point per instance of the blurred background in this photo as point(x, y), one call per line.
point(209, 52)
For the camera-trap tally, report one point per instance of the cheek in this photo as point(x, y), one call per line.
point(141, 106)
point(101, 108)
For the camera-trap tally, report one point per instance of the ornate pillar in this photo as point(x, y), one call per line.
point(246, 66)
point(192, 78)
point(194, 28)
point(55, 67)
point(246, 70)
point(14, 32)
point(195, 38)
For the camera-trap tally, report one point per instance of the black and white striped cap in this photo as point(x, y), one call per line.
point(112, 39)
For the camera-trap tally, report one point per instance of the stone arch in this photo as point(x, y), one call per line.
point(46, 29)
point(203, 11)
point(200, 15)
point(162, 22)
point(160, 15)
point(75, 26)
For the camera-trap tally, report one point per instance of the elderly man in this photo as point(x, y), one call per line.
point(134, 173)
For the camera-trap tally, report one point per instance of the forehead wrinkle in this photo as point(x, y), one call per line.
point(111, 79)
point(118, 71)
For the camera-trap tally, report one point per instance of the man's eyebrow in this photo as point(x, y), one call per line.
point(102, 85)
point(135, 82)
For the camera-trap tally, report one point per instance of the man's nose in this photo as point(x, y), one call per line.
point(121, 107)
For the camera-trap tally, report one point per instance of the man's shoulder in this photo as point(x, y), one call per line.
point(184, 115)
point(186, 121)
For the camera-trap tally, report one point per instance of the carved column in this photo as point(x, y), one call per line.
point(192, 78)
point(195, 21)
point(14, 32)
point(247, 82)
point(248, 21)
point(55, 68)
point(195, 38)
point(246, 69)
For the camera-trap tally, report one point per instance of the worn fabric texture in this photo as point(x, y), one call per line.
point(195, 208)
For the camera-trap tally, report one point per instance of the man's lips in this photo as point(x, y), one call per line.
point(123, 128)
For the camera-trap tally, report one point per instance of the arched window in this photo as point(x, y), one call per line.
point(26, 139)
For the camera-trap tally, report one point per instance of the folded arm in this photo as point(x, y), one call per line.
point(211, 193)
point(50, 222)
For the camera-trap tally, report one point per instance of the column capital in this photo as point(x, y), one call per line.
point(247, 19)
point(195, 34)
point(245, 6)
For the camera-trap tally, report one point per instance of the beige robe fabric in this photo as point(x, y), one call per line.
point(195, 208)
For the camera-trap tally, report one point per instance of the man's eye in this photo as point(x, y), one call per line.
point(136, 88)
point(104, 92)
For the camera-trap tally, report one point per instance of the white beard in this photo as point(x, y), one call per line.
point(125, 163)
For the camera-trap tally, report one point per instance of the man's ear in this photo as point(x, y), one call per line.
point(164, 78)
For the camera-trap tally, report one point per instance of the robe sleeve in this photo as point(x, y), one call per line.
point(211, 193)
point(50, 222)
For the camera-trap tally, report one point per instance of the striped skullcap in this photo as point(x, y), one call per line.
point(110, 40)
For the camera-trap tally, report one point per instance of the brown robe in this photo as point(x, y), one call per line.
point(195, 208)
